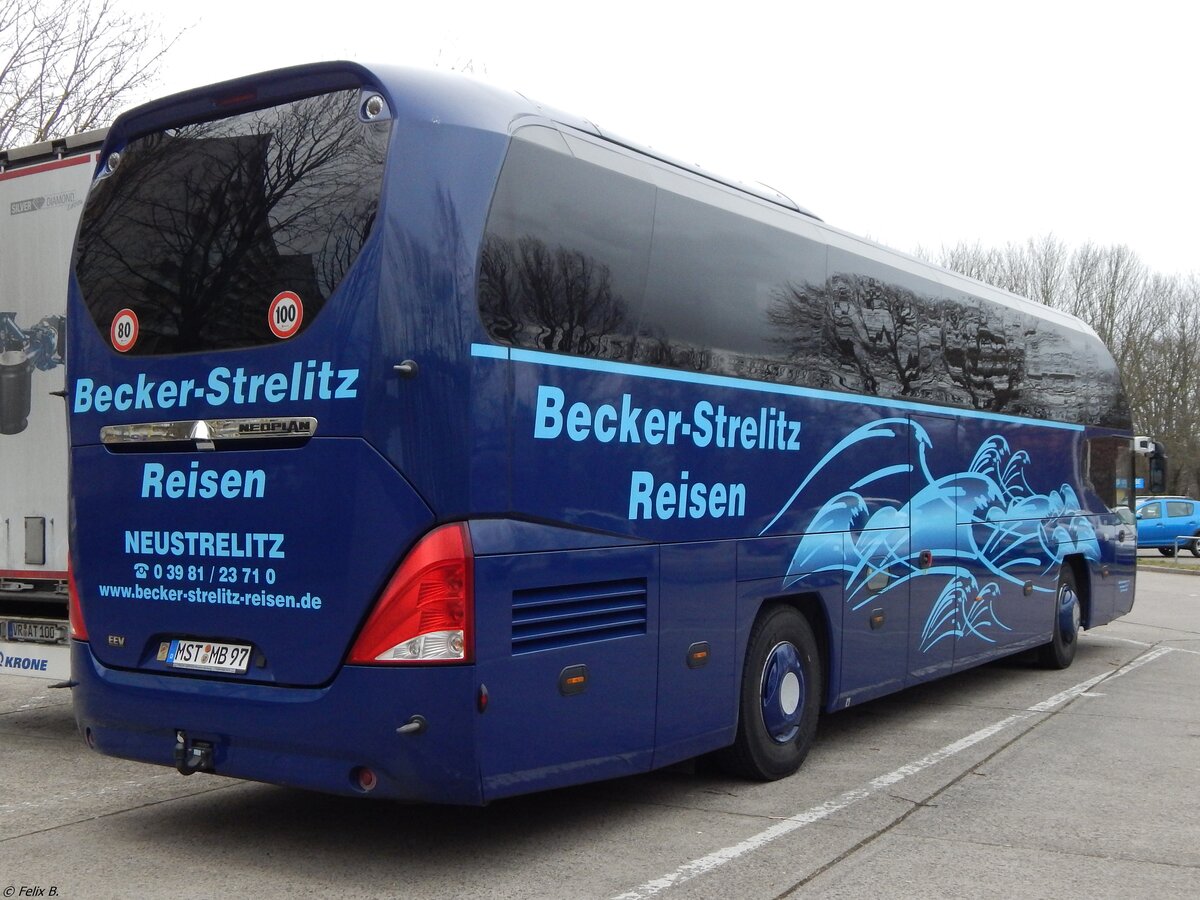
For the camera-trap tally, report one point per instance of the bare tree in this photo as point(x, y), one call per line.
point(68, 65)
point(1036, 269)
point(1048, 269)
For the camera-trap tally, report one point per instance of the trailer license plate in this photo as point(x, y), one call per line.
point(206, 655)
point(38, 632)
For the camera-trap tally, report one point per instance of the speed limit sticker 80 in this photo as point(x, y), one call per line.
point(285, 314)
point(124, 330)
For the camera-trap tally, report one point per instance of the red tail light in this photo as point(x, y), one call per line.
point(426, 612)
point(74, 610)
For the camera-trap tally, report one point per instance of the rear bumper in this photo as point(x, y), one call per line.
point(309, 738)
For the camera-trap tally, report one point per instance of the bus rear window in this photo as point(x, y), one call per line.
point(201, 230)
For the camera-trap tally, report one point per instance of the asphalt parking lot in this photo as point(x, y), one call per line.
point(1005, 781)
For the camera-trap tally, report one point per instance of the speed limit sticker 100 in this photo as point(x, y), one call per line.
point(124, 330)
point(285, 314)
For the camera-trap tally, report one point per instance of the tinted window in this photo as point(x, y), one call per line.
point(900, 335)
point(199, 228)
point(564, 260)
point(1109, 470)
point(619, 258)
point(1178, 509)
point(726, 293)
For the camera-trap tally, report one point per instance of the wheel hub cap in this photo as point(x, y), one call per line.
point(783, 692)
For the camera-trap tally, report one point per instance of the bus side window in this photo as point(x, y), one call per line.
point(565, 255)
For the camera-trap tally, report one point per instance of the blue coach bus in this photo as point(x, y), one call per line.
point(429, 443)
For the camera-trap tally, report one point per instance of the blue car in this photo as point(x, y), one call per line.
point(1161, 520)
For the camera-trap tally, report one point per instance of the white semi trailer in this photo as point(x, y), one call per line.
point(42, 189)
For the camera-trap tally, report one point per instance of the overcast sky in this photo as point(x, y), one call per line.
point(914, 123)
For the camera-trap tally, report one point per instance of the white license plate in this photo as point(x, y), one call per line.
point(38, 632)
point(205, 655)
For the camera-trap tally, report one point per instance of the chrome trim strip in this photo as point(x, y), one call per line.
point(204, 432)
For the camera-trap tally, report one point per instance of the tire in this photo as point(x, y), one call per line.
point(1059, 653)
point(1194, 546)
point(779, 698)
point(1167, 551)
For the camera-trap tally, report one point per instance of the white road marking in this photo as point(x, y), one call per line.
point(1110, 639)
point(690, 870)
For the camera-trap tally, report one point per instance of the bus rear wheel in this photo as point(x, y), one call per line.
point(779, 698)
point(1068, 615)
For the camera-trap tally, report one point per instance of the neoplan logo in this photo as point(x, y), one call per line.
point(280, 426)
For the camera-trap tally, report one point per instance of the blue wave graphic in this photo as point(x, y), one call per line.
point(1012, 528)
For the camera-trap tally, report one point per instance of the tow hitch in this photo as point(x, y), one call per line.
point(192, 756)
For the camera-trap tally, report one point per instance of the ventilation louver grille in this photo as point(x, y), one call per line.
point(547, 618)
